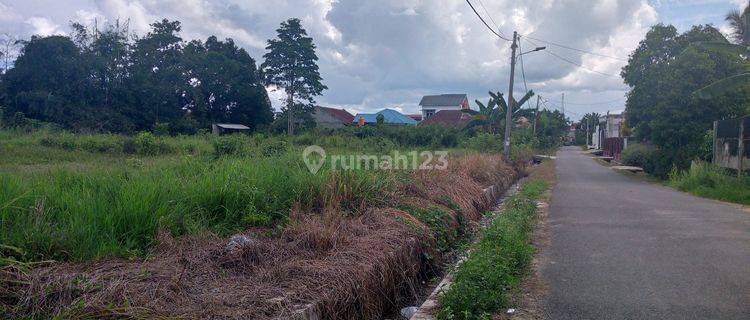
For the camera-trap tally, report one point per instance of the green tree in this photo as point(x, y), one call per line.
point(663, 72)
point(224, 84)
point(291, 64)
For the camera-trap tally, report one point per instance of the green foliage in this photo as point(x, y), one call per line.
point(637, 155)
point(707, 180)
point(439, 221)
point(108, 80)
point(663, 73)
point(484, 282)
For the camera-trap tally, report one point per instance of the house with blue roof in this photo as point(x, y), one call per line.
point(390, 116)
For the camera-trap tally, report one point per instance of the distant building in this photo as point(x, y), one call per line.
point(226, 128)
point(448, 118)
point(610, 126)
point(416, 117)
point(332, 118)
point(390, 116)
point(432, 104)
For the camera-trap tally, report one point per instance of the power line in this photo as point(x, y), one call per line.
point(576, 49)
point(523, 72)
point(574, 63)
point(485, 22)
point(487, 12)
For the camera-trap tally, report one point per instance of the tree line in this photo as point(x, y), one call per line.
point(112, 80)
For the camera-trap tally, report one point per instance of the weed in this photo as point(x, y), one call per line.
point(707, 180)
point(483, 283)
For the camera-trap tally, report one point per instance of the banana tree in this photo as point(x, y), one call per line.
point(491, 116)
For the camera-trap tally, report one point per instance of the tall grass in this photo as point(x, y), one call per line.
point(70, 213)
point(707, 180)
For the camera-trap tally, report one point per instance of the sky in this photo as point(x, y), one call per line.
point(379, 54)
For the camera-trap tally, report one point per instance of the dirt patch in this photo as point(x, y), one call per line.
point(341, 267)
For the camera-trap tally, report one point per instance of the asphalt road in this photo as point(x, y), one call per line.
point(622, 248)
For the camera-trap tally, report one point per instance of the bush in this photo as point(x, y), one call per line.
point(636, 155)
point(229, 145)
point(161, 129)
point(707, 180)
point(274, 147)
point(146, 144)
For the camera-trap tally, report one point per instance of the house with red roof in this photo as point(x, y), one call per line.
point(331, 117)
point(448, 118)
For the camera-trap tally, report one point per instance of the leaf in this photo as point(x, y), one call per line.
point(524, 99)
point(469, 111)
point(723, 86)
point(720, 46)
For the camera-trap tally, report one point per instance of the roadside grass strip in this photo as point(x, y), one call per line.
point(484, 282)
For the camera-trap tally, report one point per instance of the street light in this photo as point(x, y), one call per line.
point(535, 50)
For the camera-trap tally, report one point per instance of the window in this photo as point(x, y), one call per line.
point(428, 113)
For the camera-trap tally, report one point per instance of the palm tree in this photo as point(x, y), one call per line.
point(740, 24)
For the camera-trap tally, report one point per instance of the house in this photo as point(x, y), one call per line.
point(331, 117)
point(609, 126)
point(432, 104)
point(416, 117)
point(448, 118)
point(390, 116)
point(227, 128)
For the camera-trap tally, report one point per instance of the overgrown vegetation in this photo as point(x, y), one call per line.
point(484, 282)
point(707, 180)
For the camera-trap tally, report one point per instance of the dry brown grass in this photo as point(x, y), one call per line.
point(345, 267)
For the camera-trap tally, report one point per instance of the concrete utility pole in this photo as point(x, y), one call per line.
point(509, 112)
point(563, 105)
point(536, 113)
point(588, 124)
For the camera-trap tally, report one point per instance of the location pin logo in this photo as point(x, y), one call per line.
point(314, 163)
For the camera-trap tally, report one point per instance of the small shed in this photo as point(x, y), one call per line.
point(227, 128)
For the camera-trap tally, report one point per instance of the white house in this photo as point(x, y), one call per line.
point(433, 104)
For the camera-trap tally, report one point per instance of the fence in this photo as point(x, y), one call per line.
point(731, 147)
point(612, 147)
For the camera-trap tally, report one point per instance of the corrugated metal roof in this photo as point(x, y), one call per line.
point(232, 126)
point(448, 117)
point(390, 116)
point(443, 100)
point(340, 114)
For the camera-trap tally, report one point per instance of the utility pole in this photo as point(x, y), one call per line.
point(563, 105)
point(509, 112)
point(588, 124)
point(536, 113)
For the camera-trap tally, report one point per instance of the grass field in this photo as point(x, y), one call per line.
point(61, 200)
point(78, 197)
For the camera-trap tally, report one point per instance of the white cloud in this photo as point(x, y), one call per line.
point(43, 26)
